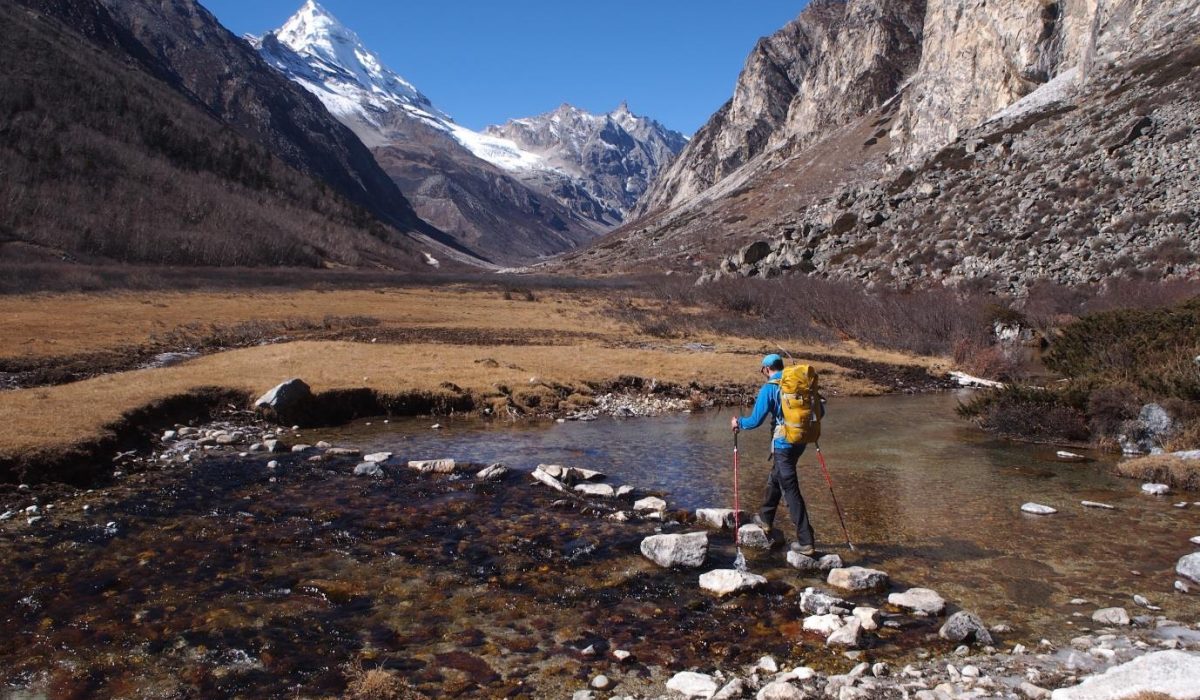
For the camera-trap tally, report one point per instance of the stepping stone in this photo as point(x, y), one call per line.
point(921, 600)
point(687, 550)
point(753, 536)
point(726, 581)
point(858, 579)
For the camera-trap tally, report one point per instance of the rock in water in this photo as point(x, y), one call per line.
point(850, 635)
point(1038, 509)
point(753, 536)
point(494, 472)
point(378, 457)
point(687, 550)
point(650, 504)
point(964, 626)
point(858, 579)
point(368, 469)
point(829, 562)
point(804, 563)
point(718, 517)
point(869, 617)
point(1111, 616)
point(817, 602)
point(598, 490)
point(1172, 673)
point(434, 466)
point(693, 685)
point(824, 625)
point(1095, 504)
point(548, 480)
point(1189, 567)
point(1156, 489)
point(289, 402)
point(726, 581)
point(922, 600)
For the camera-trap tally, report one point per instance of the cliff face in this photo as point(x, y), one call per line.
point(853, 93)
point(835, 62)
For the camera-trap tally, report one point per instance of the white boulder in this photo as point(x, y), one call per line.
point(687, 550)
point(1173, 673)
point(921, 600)
point(858, 579)
point(727, 581)
point(693, 685)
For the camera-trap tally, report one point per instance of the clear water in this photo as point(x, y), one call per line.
point(227, 578)
point(926, 496)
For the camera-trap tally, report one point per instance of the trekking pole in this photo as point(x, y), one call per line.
point(739, 562)
point(828, 480)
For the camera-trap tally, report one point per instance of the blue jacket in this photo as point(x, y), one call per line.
point(767, 404)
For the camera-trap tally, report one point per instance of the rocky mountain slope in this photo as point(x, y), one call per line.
point(1007, 142)
point(530, 188)
point(142, 131)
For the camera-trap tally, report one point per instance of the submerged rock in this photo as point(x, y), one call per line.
point(434, 466)
point(368, 469)
point(965, 626)
point(493, 472)
point(858, 579)
point(688, 549)
point(921, 600)
point(726, 581)
point(1171, 673)
point(693, 685)
point(1096, 504)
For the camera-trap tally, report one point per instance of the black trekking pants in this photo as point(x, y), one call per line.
point(784, 483)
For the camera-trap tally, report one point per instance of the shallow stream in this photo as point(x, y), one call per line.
point(228, 578)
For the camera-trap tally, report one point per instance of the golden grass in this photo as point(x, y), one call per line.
point(62, 324)
point(1163, 469)
point(48, 418)
point(40, 418)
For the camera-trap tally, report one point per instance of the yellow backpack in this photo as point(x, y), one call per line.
point(801, 405)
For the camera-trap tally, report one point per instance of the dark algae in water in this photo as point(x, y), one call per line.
point(228, 578)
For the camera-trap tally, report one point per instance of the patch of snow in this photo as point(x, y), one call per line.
point(1057, 89)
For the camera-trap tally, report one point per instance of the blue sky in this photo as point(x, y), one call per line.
point(484, 62)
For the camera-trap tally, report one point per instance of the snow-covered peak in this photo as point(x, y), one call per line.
point(330, 60)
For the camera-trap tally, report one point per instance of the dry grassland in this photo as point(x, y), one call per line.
point(1166, 469)
point(46, 418)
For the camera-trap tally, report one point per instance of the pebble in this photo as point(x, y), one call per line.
point(7, 515)
point(23, 487)
point(272, 464)
point(601, 682)
point(621, 654)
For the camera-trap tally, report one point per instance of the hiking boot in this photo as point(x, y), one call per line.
point(766, 527)
point(806, 549)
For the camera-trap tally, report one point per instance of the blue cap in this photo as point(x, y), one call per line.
point(771, 359)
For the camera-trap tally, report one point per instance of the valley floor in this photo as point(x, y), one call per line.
point(80, 368)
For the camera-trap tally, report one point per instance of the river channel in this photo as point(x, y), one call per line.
point(228, 577)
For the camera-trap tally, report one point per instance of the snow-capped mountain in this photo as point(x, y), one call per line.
point(528, 188)
point(617, 154)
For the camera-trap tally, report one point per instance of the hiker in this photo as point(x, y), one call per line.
point(783, 481)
